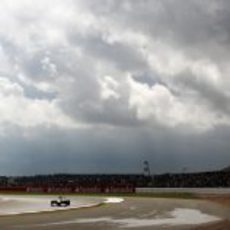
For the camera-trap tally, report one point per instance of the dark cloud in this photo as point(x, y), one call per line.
point(204, 92)
point(113, 151)
point(120, 55)
point(200, 28)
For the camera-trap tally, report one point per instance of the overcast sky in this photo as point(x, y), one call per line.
point(99, 86)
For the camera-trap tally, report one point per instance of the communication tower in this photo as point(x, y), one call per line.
point(146, 168)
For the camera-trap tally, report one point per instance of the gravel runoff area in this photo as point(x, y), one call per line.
point(133, 213)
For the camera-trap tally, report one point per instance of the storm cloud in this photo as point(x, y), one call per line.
point(100, 86)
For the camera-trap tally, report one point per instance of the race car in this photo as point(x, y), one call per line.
point(60, 202)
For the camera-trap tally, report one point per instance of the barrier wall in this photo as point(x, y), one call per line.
point(12, 189)
point(218, 191)
point(69, 189)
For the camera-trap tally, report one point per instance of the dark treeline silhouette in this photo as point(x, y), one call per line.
point(192, 180)
point(204, 179)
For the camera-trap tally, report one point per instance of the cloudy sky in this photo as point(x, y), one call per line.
point(99, 86)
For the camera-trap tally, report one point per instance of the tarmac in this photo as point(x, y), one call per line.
point(133, 213)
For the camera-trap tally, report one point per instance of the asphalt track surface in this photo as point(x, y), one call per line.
point(135, 208)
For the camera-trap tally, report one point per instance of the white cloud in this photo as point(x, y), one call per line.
point(83, 52)
point(135, 66)
point(18, 110)
point(157, 104)
point(109, 88)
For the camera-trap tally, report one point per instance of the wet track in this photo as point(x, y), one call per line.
point(133, 213)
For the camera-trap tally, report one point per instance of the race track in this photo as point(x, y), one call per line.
point(133, 213)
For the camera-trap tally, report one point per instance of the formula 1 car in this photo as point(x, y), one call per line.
point(60, 202)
